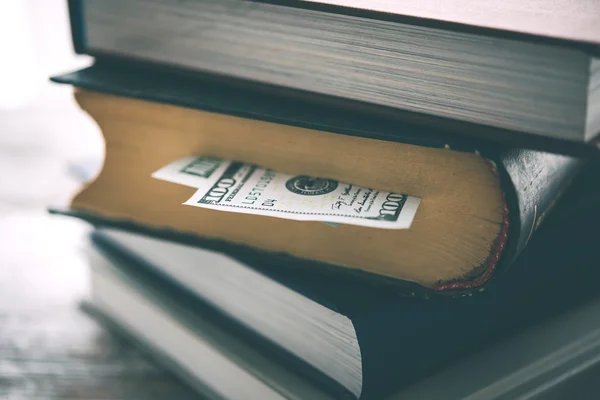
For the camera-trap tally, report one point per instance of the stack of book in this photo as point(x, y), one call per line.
point(335, 199)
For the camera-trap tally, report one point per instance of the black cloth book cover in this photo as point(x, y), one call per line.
point(403, 339)
point(532, 181)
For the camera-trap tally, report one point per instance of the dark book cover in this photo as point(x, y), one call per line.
point(403, 340)
point(531, 180)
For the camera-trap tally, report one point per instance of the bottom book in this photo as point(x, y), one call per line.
point(548, 360)
point(235, 331)
point(553, 360)
point(209, 358)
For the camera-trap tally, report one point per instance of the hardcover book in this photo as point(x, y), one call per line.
point(479, 203)
point(330, 337)
point(525, 70)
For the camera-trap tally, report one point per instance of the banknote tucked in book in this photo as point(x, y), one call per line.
point(428, 214)
point(245, 188)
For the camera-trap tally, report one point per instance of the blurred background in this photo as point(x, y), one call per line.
point(43, 132)
point(48, 147)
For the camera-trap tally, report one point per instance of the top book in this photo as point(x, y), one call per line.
point(516, 66)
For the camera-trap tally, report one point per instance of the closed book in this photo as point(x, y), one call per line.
point(526, 70)
point(554, 359)
point(218, 358)
point(338, 339)
point(480, 202)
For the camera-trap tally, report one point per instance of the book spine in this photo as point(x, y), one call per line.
point(538, 180)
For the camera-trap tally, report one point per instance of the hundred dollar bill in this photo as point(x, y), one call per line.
point(244, 188)
point(193, 171)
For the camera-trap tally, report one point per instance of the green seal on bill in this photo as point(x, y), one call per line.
point(309, 186)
